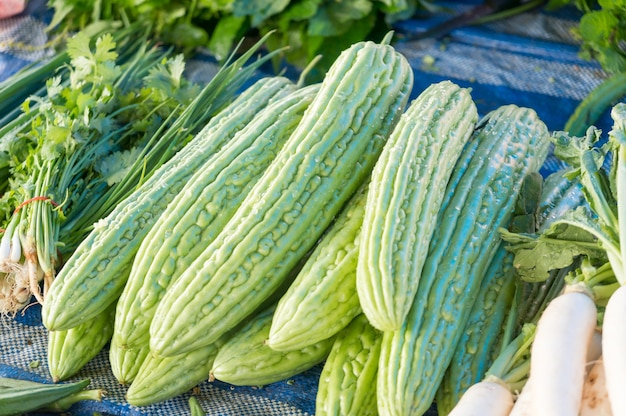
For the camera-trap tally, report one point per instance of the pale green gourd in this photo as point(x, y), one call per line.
point(194, 219)
point(407, 186)
point(322, 299)
point(245, 359)
point(327, 158)
point(347, 383)
point(71, 349)
point(508, 144)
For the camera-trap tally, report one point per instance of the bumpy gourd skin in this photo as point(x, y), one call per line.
point(245, 359)
point(322, 299)
point(478, 345)
point(194, 219)
point(406, 190)
point(509, 143)
point(347, 384)
point(95, 275)
point(161, 378)
point(69, 350)
point(328, 157)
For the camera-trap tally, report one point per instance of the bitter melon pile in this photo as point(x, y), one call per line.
point(342, 224)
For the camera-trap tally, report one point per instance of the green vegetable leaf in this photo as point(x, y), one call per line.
point(258, 10)
point(114, 167)
point(105, 48)
point(227, 31)
point(576, 234)
point(598, 26)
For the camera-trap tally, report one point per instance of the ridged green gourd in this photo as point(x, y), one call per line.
point(194, 219)
point(560, 194)
point(347, 383)
point(95, 275)
point(406, 190)
point(490, 316)
point(245, 359)
point(508, 144)
point(71, 349)
point(478, 346)
point(327, 158)
point(162, 378)
point(322, 299)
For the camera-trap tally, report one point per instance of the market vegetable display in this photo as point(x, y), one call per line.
point(122, 227)
point(265, 236)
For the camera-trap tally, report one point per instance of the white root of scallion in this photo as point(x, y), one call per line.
point(614, 349)
point(14, 290)
point(558, 356)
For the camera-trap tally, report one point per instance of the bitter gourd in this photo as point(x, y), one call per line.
point(347, 384)
point(95, 275)
point(162, 378)
point(324, 162)
point(245, 359)
point(71, 349)
point(194, 219)
point(322, 299)
point(493, 311)
point(406, 190)
point(508, 144)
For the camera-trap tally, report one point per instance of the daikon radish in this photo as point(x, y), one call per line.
point(614, 349)
point(595, 401)
point(559, 352)
point(594, 351)
point(489, 397)
point(522, 404)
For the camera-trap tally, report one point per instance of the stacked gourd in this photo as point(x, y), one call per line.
point(335, 222)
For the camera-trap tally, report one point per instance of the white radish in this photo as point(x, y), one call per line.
point(485, 398)
point(594, 352)
point(558, 355)
point(595, 401)
point(523, 402)
point(614, 349)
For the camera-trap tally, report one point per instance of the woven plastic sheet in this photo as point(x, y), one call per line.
point(530, 60)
